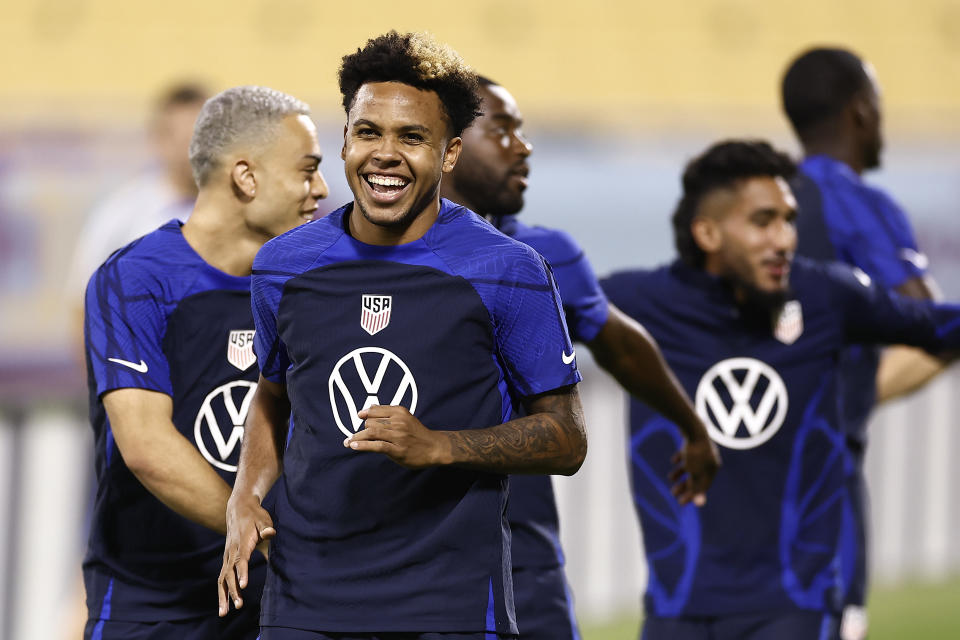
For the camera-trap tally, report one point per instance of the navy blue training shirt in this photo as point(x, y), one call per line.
point(160, 318)
point(843, 218)
point(767, 539)
point(456, 326)
point(532, 510)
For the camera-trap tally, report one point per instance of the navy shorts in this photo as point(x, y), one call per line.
point(544, 604)
point(285, 633)
point(797, 625)
point(239, 625)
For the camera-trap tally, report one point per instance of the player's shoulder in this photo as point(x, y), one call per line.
point(296, 250)
point(557, 246)
point(634, 280)
point(151, 255)
point(837, 179)
point(462, 237)
point(825, 279)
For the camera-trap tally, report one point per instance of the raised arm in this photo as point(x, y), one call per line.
point(630, 354)
point(165, 462)
point(247, 522)
point(551, 439)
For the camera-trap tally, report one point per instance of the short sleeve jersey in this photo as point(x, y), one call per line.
point(767, 389)
point(842, 218)
point(160, 318)
point(532, 510)
point(456, 326)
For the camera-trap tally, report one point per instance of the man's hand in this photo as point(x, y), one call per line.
point(397, 434)
point(694, 467)
point(248, 525)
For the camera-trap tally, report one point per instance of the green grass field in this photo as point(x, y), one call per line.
point(928, 611)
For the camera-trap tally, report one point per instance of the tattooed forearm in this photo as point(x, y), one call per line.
point(551, 439)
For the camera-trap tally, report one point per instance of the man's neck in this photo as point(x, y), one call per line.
point(838, 149)
point(217, 232)
point(367, 232)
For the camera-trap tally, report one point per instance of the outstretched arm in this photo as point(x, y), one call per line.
point(904, 370)
point(630, 354)
point(248, 523)
point(551, 439)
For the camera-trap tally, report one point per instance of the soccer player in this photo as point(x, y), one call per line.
point(490, 178)
point(399, 333)
point(169, 333)
point(832, 100)
point(754, 335)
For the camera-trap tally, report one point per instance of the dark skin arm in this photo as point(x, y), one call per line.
point(904, 369)
point(631, 355)
point(551, 439)
point(261, 461)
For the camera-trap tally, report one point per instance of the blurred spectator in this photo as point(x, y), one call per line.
point(164, 191)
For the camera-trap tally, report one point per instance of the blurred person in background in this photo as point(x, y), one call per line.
point(171, 370)
point(166, 190)
point(755, 337)
point(833, 101)
point(490, 179)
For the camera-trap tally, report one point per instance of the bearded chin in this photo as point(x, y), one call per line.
point(756, 302)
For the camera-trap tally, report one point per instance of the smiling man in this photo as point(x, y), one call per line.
point(170, 365)
point(390, 340)
point(490, 178)
point(755, 337)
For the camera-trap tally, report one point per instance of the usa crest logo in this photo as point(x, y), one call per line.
point(789, 323)
point(240, 349)
point(375, 313)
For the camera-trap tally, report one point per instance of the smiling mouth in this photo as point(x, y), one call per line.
point(384, 187)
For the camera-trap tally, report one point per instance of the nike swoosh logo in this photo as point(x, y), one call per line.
point(568, 359)
point(140, 368)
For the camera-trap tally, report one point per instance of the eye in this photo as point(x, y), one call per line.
point(412, 137)
point(365, 132)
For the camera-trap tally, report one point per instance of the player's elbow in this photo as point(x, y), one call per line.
point(576, 449)
point(143, 465)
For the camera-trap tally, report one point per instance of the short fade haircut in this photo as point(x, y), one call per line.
point(238, 115)
point(818, 84)
point(415, 59)
point(722, 166)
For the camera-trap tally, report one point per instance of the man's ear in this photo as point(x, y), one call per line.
point(243, 181)
point(706, 233)
point(452, 154)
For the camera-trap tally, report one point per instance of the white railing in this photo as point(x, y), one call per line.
point(45, 467)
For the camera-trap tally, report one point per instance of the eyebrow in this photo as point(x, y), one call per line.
point(314, 156)
point(362, 122)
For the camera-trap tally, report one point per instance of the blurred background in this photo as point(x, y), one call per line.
point(617, 96)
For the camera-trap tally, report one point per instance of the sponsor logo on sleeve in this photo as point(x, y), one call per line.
point(140, 367)
point(914, 257)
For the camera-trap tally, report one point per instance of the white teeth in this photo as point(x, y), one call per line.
point(386, 181)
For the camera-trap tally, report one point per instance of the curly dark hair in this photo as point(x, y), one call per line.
point(722, 166)
point(818, 84)
point(420, 61)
